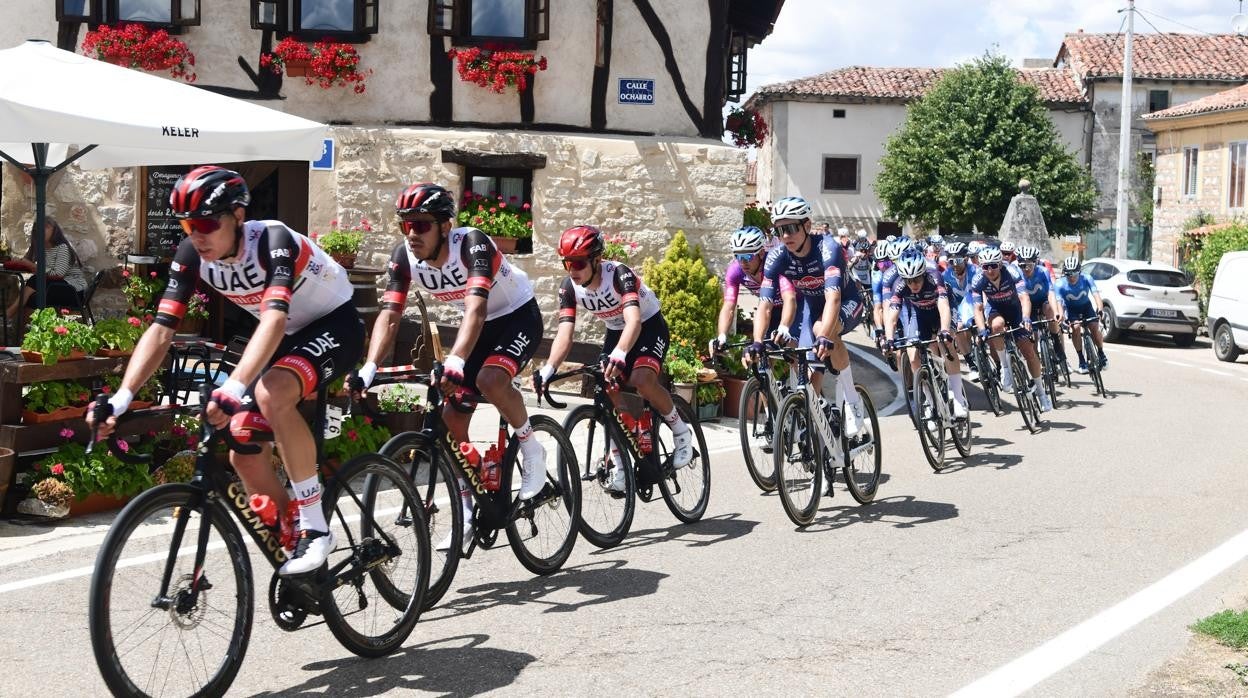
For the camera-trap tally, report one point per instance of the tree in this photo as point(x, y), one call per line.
point(966, 144)
point(688, 292)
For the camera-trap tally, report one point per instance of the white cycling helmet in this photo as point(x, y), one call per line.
point(1070, 265)
point(990, 255)
point(911, 265)
point(973, 248)
point(790, 207)
point(749, 238)
point(1007, 247)
point(896, 248)
point(1029, 253)
point(881, 249)
point(956, 249)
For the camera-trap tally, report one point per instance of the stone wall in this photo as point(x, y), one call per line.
point(1175, 209)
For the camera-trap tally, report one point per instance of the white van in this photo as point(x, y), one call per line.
point(1228, 307)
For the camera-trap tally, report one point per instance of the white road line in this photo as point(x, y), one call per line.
point(1179, 363)
point(878, 363)
point(1074, 644)
point(1216, 372)
point(1140, 356)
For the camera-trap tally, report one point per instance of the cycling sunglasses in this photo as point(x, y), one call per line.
point(990, 265)
point(578, 264)
point(787, 228)
point(1026, 265)
point(203, 226)
point(418, 227)
point(745, 256)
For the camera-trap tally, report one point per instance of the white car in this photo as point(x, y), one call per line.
point(1228, 307)
point(1145, 297)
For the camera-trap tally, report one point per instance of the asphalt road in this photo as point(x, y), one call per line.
point(940, 582)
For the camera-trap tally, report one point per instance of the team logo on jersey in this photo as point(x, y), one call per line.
point(809, 283)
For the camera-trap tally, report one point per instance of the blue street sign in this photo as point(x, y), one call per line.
point(326, 162)
point(636, 91)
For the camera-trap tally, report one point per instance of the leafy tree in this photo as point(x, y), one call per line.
point(966, 144)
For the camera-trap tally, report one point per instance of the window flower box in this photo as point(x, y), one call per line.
point(137, 46)
point(494, 69)
point(323, 63)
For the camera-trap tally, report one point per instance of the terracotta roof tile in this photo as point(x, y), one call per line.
point(1159, 56)
point(1227, 100)
point(864, 82)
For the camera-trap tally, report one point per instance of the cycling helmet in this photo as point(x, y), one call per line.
point(956, 249)
point(911, 265)
point(426, 197)
point(749, 238)
point(208, 191)
point(891, 238)
point(935, 239)
point(1029, 253)
point(790, 207)
point(990, 255)
point(896, 248)
point(881, 249)
point(1007, 247)
point(1070, 265)
point(581, 241)
point(974, 248)
point(862, 245)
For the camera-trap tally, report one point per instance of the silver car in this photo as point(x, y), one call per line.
point(1145, 297)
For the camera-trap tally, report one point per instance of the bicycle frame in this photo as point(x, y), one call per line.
point(829, 435)
point(938, 372)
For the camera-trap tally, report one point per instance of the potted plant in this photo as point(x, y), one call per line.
point(507, 222)
point(709, 396)
point(97, 481)
point(681, 366)
point(141, 292)
point(747, 127)
point(756, 215)
point(343, 244)
point(402, 407)
point(118, 336)
point(196, 314)
point(147, 395)
point(688, 292)
point(53, 336)
point(496, 69)
point(54, 401)
point(323, 63)
point(733, 376)
point(360, 434)
point(137, 46)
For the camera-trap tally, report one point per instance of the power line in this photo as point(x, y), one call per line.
point(1149, 22)
point(1172, 21)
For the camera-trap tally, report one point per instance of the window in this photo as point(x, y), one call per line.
point(1190, 170)
point(885, 228)
point(838, 113)
point(1158, 100)
point(518, 23)
point(341, 20)
point(734, 85)
point(513, 186)
point(1239, 160)
point(1157, 277)
point(840, 173)
point(166, 14)
point(1100, 271)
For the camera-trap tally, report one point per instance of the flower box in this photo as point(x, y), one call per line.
point(346, 259)
point(297, 67)
point(36, 357)
point(732, 396)
point(96, 503)
point(505, 245)
point(58, 415)
point(708, 412)
point(113, 353)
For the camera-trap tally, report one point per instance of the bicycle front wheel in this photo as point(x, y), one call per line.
point(606, 513)
point(988, 379)
point(927, 418)
point(1048, 363)
point(543, 530)
point(1023, 394)
point(190, 640)
point(755, 427)
point(687, 490)
point(864, 456)
point(799, 473)
point(379, 567)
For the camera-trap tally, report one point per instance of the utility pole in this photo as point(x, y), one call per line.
point(1124, 139)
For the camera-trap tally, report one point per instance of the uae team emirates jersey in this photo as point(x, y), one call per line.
point(275, 268)
point(474, 266)
point(617, 288)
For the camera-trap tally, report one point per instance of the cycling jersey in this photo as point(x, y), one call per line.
point(925, 300)
point(618, 288)
point(959, 289)
point(1076, 295)
point(736, 277)
point(822, 269)
point(860, 268)
point(1003, 294)
point(474, 266)
point(275, 269)
point(1037, 286)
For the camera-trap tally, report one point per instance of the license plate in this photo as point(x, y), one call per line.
point(1165, 313)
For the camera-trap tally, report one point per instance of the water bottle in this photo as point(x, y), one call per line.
point(265, 508)
point(829, 413)
point(490, 475)
point(644, 439)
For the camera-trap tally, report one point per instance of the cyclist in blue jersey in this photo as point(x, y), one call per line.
point(958, 275)
point(1001, 300)
point(1081, 301)
point(922, 289)
point(832, 305)
point(1039, 286)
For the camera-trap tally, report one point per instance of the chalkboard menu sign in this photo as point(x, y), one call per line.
point(162, 232)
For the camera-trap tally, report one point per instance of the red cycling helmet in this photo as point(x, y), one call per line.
point(580, 241)
point(426, 197)
point(208, 191)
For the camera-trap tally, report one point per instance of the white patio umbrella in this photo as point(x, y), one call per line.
point(52, 101)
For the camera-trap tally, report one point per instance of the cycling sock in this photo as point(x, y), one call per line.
point(675, 422)
point(1060, 346)
point(528, 444)
point(311, 515)
point(955, 384)
point(465, 497)
point(846, 381)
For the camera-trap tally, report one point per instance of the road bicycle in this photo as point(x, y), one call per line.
point(811, 444)
point(172, 599)
point(1090, 354)
point(609, 438)
point(933, 404)
point(989, 374)
point(760, 401)
point(1051, 367)
point(541, 531)
point(1024, 394)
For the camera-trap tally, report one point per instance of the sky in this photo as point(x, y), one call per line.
point(814, 36)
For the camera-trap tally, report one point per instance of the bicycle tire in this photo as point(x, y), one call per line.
point(606, 517)
point(988, 378)
point(927, 418)
point(435, 481)
point(567, 487)
point(1094, 364)
point(797, 444)
point(1048, 364)
point(676, 484)
point(405, 572)
point(1022, 388)
point(863, 484)
point(755, 405)
point(962, 435)
point(162, 504)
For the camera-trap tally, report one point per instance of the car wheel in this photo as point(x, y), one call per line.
point(1184, 340)
point(1224, 343)
point(1109, 324)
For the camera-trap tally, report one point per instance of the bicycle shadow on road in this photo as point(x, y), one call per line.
point(995, 459)
point(900, 511)
point(709, 531)
point(1046, 425)
point(596, 583)
point(428, 667)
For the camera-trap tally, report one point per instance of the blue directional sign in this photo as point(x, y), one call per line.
point(636, 91)
point(326, 162)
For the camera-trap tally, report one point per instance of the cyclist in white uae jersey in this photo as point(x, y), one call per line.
point(309, 334)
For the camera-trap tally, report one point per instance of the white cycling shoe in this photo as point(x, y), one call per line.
point(449, 540)
point(532, 473)
point(311, 552)
point(682, 447)
point(959, 410)
point(1046, 405)
point(616, 481)
point(853, 420)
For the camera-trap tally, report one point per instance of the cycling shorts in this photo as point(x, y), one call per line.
point(650, 348)
point(964, 315)
point(321, 352)
point(921, 324)
point(1075, 313)
point(1013, 316)
point(507, 342)
point(811, 312)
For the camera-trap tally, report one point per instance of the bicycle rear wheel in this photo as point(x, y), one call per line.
point(799, 473)
point(1023, 394)
point(755, 426)
point(379, 568)
point(927, 418)
point(1048, 363)
point(988, 378)
point(182, 643)
point(1094, 364)
point(439, 493)
point(864, 457)
point(606, 515)
point(543, 531)
point(687, 490)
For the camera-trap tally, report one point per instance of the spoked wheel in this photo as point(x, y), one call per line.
point(799, 473)
point(961, 432)
point(988, 379)
point(186, 642)
point(1023, 394)
point(543, 530)
point(440, 497)
point(927, 417)
point(687, 490)
point(1048, 365)
point(1094, 363)
point(606, 513)
point(755, 427)
point(864, 457)
point(380, 560)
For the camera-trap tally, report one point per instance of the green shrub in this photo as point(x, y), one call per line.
point(1216, 244)
point(1227, 627)
point(689, 294)
point(756, 215)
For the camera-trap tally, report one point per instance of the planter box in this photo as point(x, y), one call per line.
point(708, 412)
point(346, 260)
point(112, 353)
point(35, 357)
point(297, 68)
point(399, 422)
point(732, 400)
point(64, 413)
point(505, 245)
point(96, 503)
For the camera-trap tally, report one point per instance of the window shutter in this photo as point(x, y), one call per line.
point(539, 20)
point(366, 16)
point(443, 18)
point(270, 14)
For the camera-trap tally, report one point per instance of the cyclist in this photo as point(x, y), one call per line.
point(1040, 288)
point(1081, 301)
point(922, 289)
point(1001, 299)
point(500, 328)
point(831, 305)
point(882, 287)
point(309, 334)
point(957, 279)
point(637, 337)
point(1008, 253)
point(749, 246)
